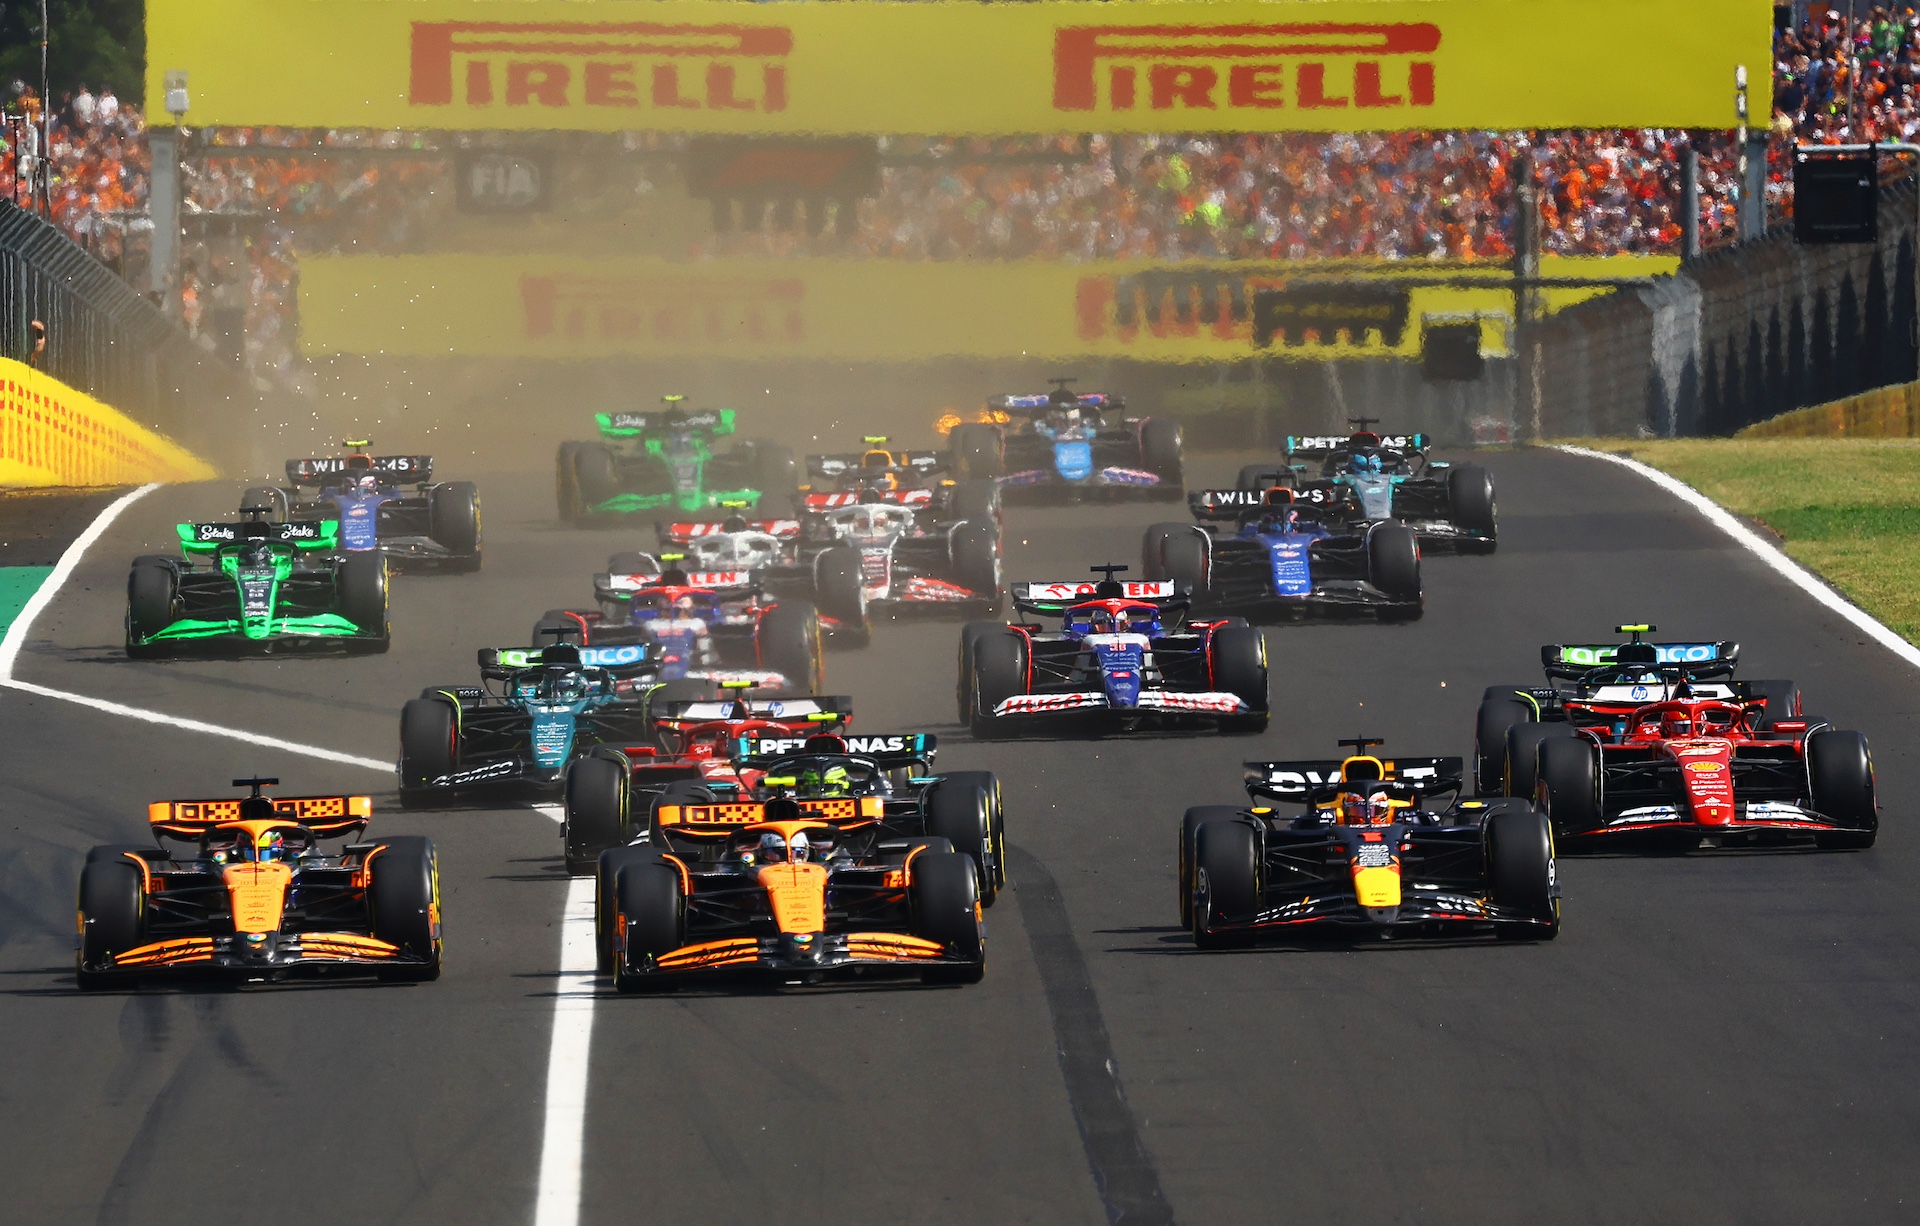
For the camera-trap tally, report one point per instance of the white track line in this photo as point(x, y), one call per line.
point(1763, 549)
point(557, 1202)
point(50, 587)
point(562, 1147)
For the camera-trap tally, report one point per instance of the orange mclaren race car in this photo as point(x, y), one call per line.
point(795, 889)
point(258, 898)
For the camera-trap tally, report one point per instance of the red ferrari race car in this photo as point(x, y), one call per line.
point(709, 627)
point(611, 793)
point(1676, 772)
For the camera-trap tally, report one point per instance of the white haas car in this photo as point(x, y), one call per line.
point(1125, 657)
point(710, 628)
point(903, 555)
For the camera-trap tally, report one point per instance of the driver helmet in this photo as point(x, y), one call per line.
point(683, 605)
point(272, 845)
point(368, 484)
point(1368, 809)
point(834, 781)
point(1364, 465)
point(799, 847)
point(772, 848)
point(1677, 723)
point(734, 523)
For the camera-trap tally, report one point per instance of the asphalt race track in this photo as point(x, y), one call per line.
point(1725, 1037)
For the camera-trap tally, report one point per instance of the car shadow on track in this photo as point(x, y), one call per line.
point(1176, 942)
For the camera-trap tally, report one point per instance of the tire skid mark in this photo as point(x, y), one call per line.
point(1123, 1171)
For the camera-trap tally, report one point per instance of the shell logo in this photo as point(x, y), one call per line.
point(1705, 767)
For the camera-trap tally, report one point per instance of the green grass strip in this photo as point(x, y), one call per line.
point(17, 586)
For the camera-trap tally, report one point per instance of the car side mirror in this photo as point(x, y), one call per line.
point(489, 657)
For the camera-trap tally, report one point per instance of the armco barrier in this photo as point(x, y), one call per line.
point(51, 434)
point(1884, 412)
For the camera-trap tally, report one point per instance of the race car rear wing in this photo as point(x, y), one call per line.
point(1058, 597)
point(1305, 781)
point(681, 534)
point(1572, 660)
point(821, 712)
point(301, 533)
point(1320, 445)
point(324, 470)
point(833, 467)
point(632, 659)
point(728, 815)
point(622, 587)
point(887, 751)
point(326, 816)
point(1040, 402)
point(641, 425)
point(817, 502)
point(1235, 505)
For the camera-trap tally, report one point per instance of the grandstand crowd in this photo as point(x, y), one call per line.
point(1388, 195)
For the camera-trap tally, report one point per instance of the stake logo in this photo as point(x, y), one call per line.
point(664, 309)
point(629, 64)
point(1307, 65)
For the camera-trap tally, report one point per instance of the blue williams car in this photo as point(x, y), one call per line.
point(1063, 445)
point(1283, 554)
point(388, 504)
point(1124, 658)
point(1450, 506)
point(534, 711)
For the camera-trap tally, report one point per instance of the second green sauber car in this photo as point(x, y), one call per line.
point(256, 587)
point(663, 465)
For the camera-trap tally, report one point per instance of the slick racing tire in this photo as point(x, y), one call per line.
point(1521, 873)
point(1237, 659)
point(775, 474)
point(1183, 871)
point(1153, 548)
point(787, 641)
point(996, 821)
point(1569, 784)
point(1226, 881)
point(113, 918)
point(977, 500)
point(360, 584)
point(595, 477)
point(961, 812)
point(153, 587)
point(941, 888)
point(1783, 701)
point(970, 634)
point(1264, 477)
point(606, 871)
point(269, 497)
point(975, 450)
point(975, 549)
point(566, 483)
point(1162, 453)
point(1185, 557)
point(999, 671)
point(1393, 560)
point(429, 747)
point(594, 808)
point(1841, 771)
point(1496, 716)
point(453, 519)
point(1471, 505)
point(1523, 756)
point(840, 591)
point(403, 892)
point(650, 899)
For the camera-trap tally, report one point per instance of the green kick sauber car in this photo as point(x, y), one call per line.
point(663, 466)
point(257, 587)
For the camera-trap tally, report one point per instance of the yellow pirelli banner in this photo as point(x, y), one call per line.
point(52, 434)
point(875, 310)
point(876, 67)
